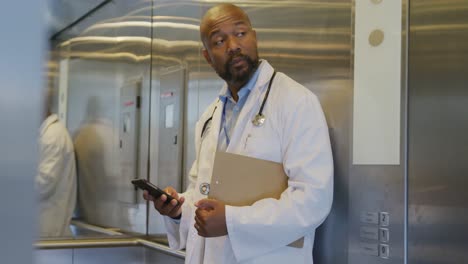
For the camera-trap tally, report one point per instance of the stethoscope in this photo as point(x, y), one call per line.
point(259, 118)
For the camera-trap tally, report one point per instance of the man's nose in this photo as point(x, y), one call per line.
point(233, 46)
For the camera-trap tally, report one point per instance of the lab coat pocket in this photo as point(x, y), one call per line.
point(262, 148)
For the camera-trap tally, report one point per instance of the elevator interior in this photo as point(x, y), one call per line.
point(131, 82)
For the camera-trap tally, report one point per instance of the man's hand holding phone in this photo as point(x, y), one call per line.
point(172, 208)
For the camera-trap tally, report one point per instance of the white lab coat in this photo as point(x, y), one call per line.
point(56, 179)
point(296, 134)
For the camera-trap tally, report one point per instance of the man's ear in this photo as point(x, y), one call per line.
point(207, 56)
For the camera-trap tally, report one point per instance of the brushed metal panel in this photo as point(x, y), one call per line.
point(376, 189)
point(438, 132)
point(134, 255)
point(175, 62)
point(117, 255)
point(170, 141)
point(154, 256)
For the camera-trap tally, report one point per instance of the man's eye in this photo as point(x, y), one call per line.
point(219, 42)
point(240, 34)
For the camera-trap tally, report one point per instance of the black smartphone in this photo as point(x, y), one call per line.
point(152, 189)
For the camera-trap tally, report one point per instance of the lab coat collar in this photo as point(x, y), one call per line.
point(49, 121)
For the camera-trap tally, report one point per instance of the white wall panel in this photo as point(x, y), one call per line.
point(377, 77)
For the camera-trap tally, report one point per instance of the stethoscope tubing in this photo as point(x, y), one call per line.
point(266, 95)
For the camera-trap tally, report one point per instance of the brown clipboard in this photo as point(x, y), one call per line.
point(241, 181)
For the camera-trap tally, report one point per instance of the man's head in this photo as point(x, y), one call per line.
point(230, 43)
point(48, 101)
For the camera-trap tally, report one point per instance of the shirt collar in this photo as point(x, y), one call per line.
point(226, 93)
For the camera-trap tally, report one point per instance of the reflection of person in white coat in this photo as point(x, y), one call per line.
point(56, 179)
point(294, 133)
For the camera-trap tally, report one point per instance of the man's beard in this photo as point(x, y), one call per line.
point(230, 74)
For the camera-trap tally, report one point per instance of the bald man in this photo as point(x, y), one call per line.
point(290, 130)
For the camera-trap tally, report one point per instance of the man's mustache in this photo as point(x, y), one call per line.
point(237, 57)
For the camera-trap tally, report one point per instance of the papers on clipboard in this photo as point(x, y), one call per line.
point(241, 181)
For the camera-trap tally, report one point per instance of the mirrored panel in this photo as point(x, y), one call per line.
point(175, 73)
point(100, 84)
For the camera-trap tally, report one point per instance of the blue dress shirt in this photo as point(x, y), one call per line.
point(231, 110)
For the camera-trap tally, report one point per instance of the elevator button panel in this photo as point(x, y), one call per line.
point(374, 234)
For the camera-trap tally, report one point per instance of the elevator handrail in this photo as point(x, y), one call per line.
point(114, 242)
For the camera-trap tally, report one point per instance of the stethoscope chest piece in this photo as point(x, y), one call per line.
point(258, 120)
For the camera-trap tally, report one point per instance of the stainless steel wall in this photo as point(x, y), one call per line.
point(311, 42)
point(157, 42)
point(377, 189)
point(119, 255)
point(174, 93)
point(438, 132)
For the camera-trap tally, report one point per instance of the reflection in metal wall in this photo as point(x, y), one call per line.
point(175, 65)
point(108, 72)
point(61, 13)
point(438, 129)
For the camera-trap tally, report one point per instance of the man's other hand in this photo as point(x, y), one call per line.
point(210, 218)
